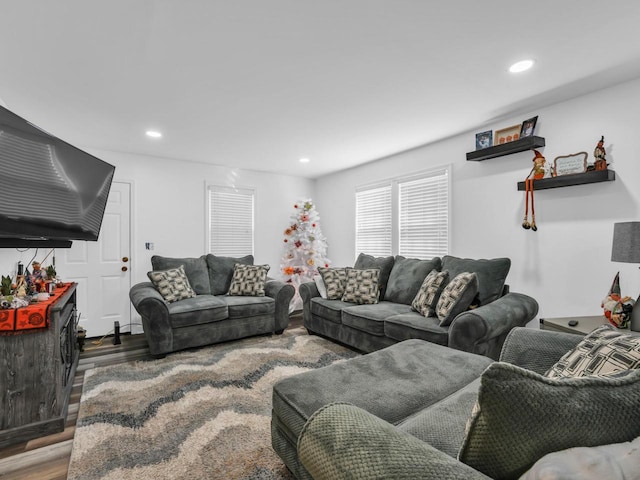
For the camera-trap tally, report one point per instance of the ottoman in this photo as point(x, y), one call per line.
point(412, 383)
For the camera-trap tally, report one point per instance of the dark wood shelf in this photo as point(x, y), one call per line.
point(595, 176)
point(520, 145)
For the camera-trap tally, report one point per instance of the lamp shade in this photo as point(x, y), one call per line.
point(626, 242)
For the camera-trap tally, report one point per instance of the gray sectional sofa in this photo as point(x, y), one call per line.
point(211, 316)
point(370, 327)
point(417, 410)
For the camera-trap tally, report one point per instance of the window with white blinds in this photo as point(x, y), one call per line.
point(373, 221)
point(424, 216)
point(406, 216)
point(231, 221)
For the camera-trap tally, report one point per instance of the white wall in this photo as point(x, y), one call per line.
point(566, 264)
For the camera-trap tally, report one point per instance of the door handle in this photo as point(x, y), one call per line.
point(125, 259)
point(124, 269)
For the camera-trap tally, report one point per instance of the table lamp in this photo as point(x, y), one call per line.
point(626, 248)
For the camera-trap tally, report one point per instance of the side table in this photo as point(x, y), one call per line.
point(584, 326)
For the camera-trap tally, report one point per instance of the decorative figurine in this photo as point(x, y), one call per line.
point(537, 172)
point(599, 153)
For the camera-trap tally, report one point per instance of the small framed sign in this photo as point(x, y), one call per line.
point(569, 164)
point(484, 139)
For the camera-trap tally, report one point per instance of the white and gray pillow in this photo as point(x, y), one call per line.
point(334, 280)
point(362, 286)
point(429, 293)
point(248, 280)
point(456, 297)
point(172, 284)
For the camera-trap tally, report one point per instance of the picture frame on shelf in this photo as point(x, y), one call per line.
point(507, 135)
point(484, 139)
point(569, 164)
point(528, 127)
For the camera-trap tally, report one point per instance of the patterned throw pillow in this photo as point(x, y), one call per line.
point(362, 286)
point(456, 297)
point(248, 280)
point(172, 284)
point(335, 280)
point(427, 297)
point(603, 352)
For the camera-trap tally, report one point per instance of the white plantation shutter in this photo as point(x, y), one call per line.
point(373, 221)
point(424, 216)
point(231, 217)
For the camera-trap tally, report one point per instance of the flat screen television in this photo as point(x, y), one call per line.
point(50, 191)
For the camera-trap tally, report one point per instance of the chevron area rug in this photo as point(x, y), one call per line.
point(200, 414)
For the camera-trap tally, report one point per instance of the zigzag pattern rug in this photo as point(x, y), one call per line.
point(201, 414)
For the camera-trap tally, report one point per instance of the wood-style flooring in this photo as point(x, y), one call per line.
point(47, 458)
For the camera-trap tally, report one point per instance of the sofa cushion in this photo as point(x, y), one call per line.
point(405, 326)
point(322, 288)
point(195, 269)
point(328, 309)
point(334, 280)
point(248, 280)
point(221, 271)
point(406, 277)
point(197, 310)
point(604, 351)
point(521, 416)
point(456, 297)
point(361, 286)
point(429, 293)
point(385, 264)
point(370, 318)
point(491, 274)
point(244, 307)
point(172, 284)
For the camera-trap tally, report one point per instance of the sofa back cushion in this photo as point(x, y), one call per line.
point(491, 273)
point(406, 277)
point(385, 264)
point(521, 416)
point(194, 268)
point(221, 271)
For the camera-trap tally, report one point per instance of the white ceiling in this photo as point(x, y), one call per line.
point(259, 84)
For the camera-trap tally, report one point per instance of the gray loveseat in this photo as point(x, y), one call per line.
point(211, 316)
point(402, 412)
point(370, 327)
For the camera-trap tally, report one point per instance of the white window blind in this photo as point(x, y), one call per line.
point(373, 221)
point(424, 216)
point(231, 221)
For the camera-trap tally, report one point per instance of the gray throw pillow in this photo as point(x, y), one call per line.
point(334, 280)
point(385, 264)
point(195, 269)
point(406, 277)
point(248, 280)
point(172, 284)
point(427, 297)
point(605, 351)
point(221, 271)
point(492, 274)
point(361, 286)
point(520, 416)
point(456, 297)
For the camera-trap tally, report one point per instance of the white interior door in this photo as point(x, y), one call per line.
point(102, 269)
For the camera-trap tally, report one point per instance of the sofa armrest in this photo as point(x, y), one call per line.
point(155, 317)
point(536, 349)
point(307, 291)
point(282, 293)
point(342, 441)
point(479, 330)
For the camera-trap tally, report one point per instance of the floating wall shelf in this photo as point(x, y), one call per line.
point(595, 176)
point(520, 145)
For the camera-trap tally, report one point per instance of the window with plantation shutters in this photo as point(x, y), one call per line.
point(231, 221)
point(406, 216)
point(373, 221)
point(423, 221)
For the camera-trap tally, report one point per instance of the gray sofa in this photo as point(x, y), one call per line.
point(211, 316)
point(371, 327)
point(407, 412)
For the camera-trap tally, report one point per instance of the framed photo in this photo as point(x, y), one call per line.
point(528, 126)
point(569, 164)
point(507, 135)
point(484, 139)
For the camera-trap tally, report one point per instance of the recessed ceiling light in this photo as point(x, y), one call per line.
point(153, 134)
point(304, 160)
point(521, 66)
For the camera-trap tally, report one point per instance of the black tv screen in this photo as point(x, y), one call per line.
point(50, 191)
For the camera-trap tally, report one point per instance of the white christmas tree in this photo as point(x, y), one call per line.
point(305, 248)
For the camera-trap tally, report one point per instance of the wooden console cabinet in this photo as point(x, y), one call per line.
point(36, 375)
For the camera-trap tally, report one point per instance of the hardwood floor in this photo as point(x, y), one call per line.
point(47, 458)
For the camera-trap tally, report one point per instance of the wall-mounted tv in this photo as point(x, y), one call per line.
point(50, 191)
